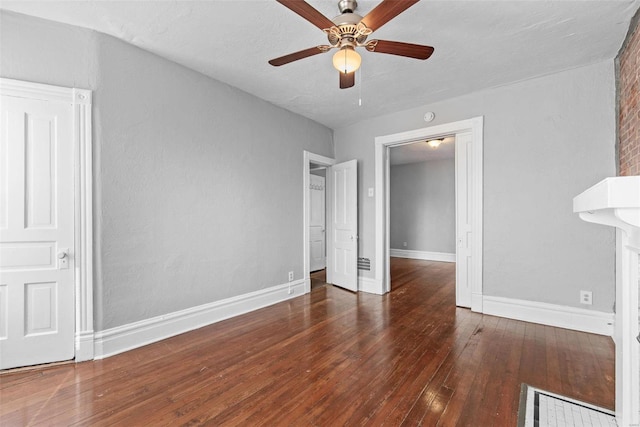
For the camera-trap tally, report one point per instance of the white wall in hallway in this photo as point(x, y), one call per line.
point(423, 207)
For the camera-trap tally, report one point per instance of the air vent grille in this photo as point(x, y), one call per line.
point(364, 264)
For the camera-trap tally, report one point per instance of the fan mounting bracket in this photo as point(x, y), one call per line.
point(347, 6)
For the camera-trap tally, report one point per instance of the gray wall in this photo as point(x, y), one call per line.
point(423, 206)
point(42, 51)
point(198, 185)
point(545, 141)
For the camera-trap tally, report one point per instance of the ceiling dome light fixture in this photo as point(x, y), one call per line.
point(347, 60)
point(434, 143)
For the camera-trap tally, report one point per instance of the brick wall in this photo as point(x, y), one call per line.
point(629, 103)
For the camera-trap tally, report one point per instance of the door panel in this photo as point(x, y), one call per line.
point(40, 167)
point(21, 255)
point(41, 308)
point(344, 225)
point(317, 226)
point(463, 219)
point(37, 309)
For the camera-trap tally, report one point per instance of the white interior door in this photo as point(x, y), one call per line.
point(317, 246)
point(343, 255)
point(36, 232)
point(463, 219)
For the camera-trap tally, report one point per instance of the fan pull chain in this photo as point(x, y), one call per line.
point(360, 88)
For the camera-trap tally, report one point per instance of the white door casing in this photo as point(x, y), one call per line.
point(46, 300)
point(474, 181)
point(317, 223)
point(343, 256)
point(464, 226)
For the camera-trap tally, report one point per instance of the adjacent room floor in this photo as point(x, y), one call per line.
point(328, 358)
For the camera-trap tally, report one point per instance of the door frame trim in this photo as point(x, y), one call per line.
point(309, 157)
point(382, 143)
point(80, 100)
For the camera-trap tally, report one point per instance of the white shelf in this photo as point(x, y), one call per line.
point(614, 202)
point(619, 192)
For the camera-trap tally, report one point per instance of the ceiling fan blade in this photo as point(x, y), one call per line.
point(385, 12)
point(347, 80)
point(307, 11)
point(299, 55)
point(410, 50)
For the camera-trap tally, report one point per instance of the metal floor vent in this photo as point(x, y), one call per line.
point(364, 264)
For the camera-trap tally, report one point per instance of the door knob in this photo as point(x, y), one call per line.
point(63, 258)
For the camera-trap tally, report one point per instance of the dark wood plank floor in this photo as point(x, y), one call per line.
point(328, 358)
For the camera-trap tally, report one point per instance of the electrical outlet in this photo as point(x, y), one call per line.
point(404, 244)
point(586, 297)
point(291, 276)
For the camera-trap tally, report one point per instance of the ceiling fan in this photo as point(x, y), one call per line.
point(348, 31)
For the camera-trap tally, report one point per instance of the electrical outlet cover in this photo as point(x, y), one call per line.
point(586, 297)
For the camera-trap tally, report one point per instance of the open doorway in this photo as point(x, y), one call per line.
point(469, 165)
point(422, 208)
point(317, 224)
point(429, 209)
point(315, 167)
point(422, 192)
point(341, 218)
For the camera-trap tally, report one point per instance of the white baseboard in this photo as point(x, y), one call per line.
point(579, 319)
point(127, 337)
point(372, 286)
point(427, 256)
point(84, 346)
point(476, 302)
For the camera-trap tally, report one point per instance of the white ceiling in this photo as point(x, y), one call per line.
point(417, 152)
point(478, 44)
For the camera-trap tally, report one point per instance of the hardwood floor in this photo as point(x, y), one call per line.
point(328, 358)
point(318, 278)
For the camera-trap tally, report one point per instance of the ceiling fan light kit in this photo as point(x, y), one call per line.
point(347, 60)
point(349, 31)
